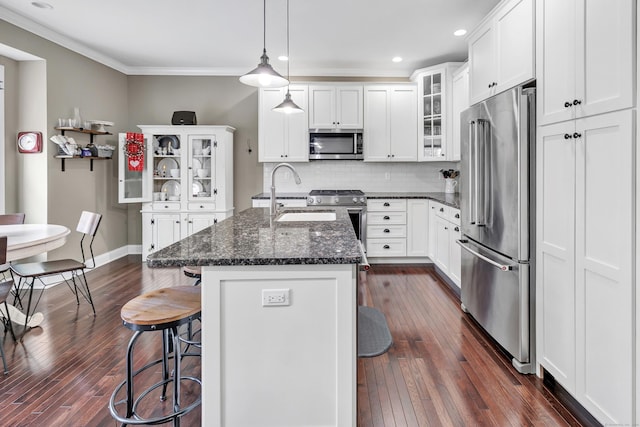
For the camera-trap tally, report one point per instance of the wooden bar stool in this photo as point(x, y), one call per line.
point(162, 310)
point(194, 272)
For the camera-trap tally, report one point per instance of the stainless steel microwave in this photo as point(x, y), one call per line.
point(335, 146)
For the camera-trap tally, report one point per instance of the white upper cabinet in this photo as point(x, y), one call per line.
point(390, 131)
point(501, 50)
point(435, 112)
point(335, 107)
point(459, 103)
point(283, 136)
point(586, 58)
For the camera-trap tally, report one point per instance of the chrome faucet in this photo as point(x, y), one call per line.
point(272, 199)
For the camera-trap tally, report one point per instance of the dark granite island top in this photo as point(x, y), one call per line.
point(252, 238)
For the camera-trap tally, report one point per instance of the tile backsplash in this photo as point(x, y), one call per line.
point(359, 175)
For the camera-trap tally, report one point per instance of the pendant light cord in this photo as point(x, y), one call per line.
point(264, 25)
point(288, 56)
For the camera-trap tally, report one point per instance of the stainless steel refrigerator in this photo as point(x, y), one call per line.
point(497, 206)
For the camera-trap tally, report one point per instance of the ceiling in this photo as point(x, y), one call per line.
point(225, 37)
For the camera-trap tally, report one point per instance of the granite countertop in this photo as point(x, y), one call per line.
point(449, 199)
point(251, 238)
point(281, 196)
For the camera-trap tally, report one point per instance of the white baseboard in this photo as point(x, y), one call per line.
point(101, 260)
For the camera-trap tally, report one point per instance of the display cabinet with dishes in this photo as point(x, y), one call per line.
point(435, 124)
point(184, 179)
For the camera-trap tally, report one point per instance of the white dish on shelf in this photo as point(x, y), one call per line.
point(197, 188)
point(99, 125)
point(172, 188)
point(166, 164)
point(196, 164)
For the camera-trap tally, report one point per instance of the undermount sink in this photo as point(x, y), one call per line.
point(307, 216)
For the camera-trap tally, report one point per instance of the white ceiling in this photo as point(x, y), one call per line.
point(224, 37)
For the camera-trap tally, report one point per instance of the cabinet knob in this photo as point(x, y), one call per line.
point(386, 217)
point(457, 215)
point(386, 230)
point(393, 155)
point(441, 209)
point(489, 86)
point(446, 228)
point(386, 204)
point(567, 136)
point(567, 104)
point(577, 102)
point(201, 206)
point(456, 229)
point(386, 247)
point(577, 135)
point(177, 222)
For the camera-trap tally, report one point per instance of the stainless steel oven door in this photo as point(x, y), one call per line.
point(358, 216)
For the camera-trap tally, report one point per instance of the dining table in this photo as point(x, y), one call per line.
point(27, 240)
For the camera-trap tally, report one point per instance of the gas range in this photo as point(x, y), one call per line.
point(336, 198)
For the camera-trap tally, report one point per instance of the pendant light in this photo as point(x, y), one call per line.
point(264, 75)
point(288, 106)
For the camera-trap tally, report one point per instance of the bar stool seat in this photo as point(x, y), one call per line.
point(162, 310)
point(194, 272)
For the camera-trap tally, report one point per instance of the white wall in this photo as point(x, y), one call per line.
point(359, 175)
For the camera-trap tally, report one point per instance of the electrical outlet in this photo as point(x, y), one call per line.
point(275, 297)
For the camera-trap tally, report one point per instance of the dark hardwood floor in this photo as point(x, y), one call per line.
point(441, 369)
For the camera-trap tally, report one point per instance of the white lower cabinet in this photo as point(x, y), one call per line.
point(161, 229)
point(386, 227)
point(417, 227)
point(585, 256)
point(444, 226)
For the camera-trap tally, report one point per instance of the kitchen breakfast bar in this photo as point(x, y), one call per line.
point(279, 312)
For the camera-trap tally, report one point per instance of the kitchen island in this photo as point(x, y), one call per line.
point(279, 318)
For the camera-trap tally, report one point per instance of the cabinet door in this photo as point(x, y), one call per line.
point(455, 255)
point(376, 131)
point(322, 107)
point(165, 230)
point(297, 127)
point(271, 124)
point(442, 244)
point(133, 186)
point(349, 107)
point(514, 44)
point(201, 158)
point(403, 123)
point(605, 57)
point(481, 64)
point(417, 227)
point(555, 269)
point(604, 265)
point(197, 222)
point(556, 61)
point(433, 206)
point(460, 102)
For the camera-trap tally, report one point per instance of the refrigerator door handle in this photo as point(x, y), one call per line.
point(480, 171)
point(501, 267)
point(473, 168)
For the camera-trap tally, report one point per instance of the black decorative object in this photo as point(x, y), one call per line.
point(184, 118)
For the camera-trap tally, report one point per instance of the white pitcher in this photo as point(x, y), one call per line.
point(450, 185)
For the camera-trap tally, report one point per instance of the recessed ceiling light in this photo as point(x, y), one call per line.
point(41, 5)
point(283, 58)
point(459, 33)
point(397, 59)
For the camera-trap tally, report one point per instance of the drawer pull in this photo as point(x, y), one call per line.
point(456, 229)
point(441, 209)
point(458, 215)
point(386, 204)
point(386, 230)
point(386, 217)
point(386, 247)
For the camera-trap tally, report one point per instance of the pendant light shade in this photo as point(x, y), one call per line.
point(264, 75)
point(288, 106)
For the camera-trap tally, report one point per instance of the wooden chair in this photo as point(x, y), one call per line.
point(77, 282)
point(5, 290)
point(9, 219)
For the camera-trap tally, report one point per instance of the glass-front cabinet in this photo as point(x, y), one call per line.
point(182, 175)
point(435, 124)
